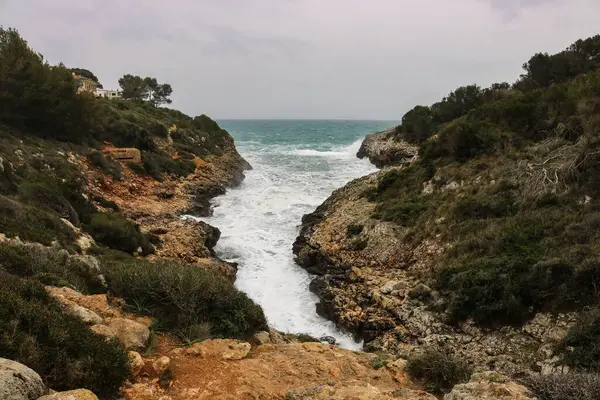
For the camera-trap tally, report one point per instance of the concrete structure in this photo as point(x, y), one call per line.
point(107, 94)
point(128, 155)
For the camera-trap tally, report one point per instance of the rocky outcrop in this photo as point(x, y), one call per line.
point(489, 386)
point(278, 372)
point(379, 290)
point(385, 149)
point(79, 394)
point(18, 382)
point(158, 206)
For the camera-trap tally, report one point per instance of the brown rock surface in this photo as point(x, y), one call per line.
point(382, 150)
point(276, 371)
point(79, 394)
point(489, 386)
point(378, 291)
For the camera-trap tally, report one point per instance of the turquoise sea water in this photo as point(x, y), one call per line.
point(297, 164)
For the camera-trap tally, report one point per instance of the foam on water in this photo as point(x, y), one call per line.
point(259, 221)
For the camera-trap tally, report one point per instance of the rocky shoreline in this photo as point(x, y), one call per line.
point(158, 207)
point(375, 284)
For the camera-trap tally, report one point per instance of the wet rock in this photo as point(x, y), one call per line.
point(327, 339)
point(18, 382)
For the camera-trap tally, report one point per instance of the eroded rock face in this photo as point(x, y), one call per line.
point(18, 382)
point(489, 386)
point(383, 150)
point(380, 292)
point(136, 362)
point(355, 392)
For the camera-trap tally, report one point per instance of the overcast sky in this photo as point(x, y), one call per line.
point(346, 59)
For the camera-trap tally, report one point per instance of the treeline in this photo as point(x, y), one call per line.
point(541, 71)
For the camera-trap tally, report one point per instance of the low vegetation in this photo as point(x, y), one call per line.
point(117, 232)
point(59, 347)
point(182, 297)
point(508, 176)
point(438, 372)
point(570, 386)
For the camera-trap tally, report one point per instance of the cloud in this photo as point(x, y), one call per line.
point(302, 58)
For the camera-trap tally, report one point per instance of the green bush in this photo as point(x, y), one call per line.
point(106, 203)
point(399, 212)
point(48, 198)
point(571, 386)
point(117, 232)
point(159, 164)
point(437, 371)
point(67, 355)
point(32, 224)
point(183, 296)
point(502, 271)
point(137, 168)
point(51, 265)
point(108, 166)
point(581, 345)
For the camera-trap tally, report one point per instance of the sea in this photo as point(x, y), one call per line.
point(296, 166)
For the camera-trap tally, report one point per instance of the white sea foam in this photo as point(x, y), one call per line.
point(259, 221)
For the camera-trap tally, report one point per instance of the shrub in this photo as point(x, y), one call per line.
point(51, 266)
point(205, 124)
point(137, 168)
point(354, 229)
point(158, 164)
point(581, 346)
point(571, 386)
point(48, 197)
point(184, 296)
point(32, 224)
point(358, 244)
point(400, 212)
point(437, 371)
point(67, 355)
point(106, 203)
point(108, 166)
point(117, 232)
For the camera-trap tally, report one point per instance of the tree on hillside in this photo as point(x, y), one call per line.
point(417, 125)
point(39, 98)
point(133, 88)
point(140, 89)
point(86, 74)
point(457, 103)
point(158, 93)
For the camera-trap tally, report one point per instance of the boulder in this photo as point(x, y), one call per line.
point(18, 382)
point(136, 362)
point(86, 315)
point(489, 386)
point(79, 394)
point(262, 338)
point(133, 335)
point(226, 349)
point(161, 365)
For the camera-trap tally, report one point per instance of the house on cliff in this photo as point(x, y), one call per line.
point(85, 84)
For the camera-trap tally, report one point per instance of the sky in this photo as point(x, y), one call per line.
point(297, 59)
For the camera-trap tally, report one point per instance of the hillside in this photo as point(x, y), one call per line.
point(479, 236)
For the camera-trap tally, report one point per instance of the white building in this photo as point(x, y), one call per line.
point(107, 94)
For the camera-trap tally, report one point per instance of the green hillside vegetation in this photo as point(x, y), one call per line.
point(46, 131)
point(517, 194)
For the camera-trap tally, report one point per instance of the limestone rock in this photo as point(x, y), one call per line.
point(136, 362)
point(18, 382)
point(358, 391)
point(86, 315)
point(489, 386)
point(132, 334)
point(390, 286)
point(103, 330)
point(161, 365)
point(79, 394)
point(226, 349)
point(262, 338)
point(383, 150)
